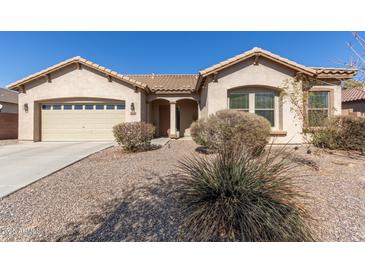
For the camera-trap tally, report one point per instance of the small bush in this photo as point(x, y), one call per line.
point(232, 127)
point(235, 196)
point(134, 136)
point(341, 132)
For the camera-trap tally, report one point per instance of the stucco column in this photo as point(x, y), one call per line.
point(173, 120)
point(148, 112)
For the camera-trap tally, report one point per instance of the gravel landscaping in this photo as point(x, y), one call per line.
point(115, 196)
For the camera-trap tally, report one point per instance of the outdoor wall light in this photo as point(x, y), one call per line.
point(26, 108)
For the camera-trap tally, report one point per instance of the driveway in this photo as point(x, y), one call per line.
point(23, 164)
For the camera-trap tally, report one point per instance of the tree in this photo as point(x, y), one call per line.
point(357, 60)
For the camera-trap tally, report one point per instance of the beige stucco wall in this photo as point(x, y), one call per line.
point(9, 107)
point(81, 84)
point(203, 102)
point(266, 74)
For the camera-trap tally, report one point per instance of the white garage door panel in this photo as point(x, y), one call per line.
point(88, 125)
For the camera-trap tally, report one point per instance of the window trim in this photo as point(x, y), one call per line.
point(330, 108)
point(251, 102)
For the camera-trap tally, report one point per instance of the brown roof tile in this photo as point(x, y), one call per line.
point(335, 72)
point(168, 83)
point(353, 94)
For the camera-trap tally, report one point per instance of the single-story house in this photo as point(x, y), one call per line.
point(80, 100)
point(354, 99)
point(8, 114)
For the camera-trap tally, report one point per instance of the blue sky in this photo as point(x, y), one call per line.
point(24, 53)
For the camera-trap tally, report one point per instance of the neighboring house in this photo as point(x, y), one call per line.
point(354, 99)
point(8, 114)
point(80, 100)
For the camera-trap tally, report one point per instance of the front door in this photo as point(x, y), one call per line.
point(164, 117)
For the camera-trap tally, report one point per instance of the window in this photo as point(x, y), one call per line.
point(317, 108)
point(110, 106)
point(120, 106)
point(256, 101)
point(265, 106)
point(67, 107)
point(56, 107)
point(239, 101)
point(99, 107)
point(46, 107)
point(88, 107)
point(78, 107)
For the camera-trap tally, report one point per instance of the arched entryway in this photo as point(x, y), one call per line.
point(160, 116)
point(172, 117)
point(186, 114)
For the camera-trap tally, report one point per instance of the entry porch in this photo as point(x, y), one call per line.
point(172, 116)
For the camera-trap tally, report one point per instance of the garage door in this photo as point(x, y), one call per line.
point(80, 121)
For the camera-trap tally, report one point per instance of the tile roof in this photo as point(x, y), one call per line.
point(335, 72)
point(168, 83)
point(8, 96)
point(82, 61)
point(187, 83)
point(251, 53)
point(353, 94)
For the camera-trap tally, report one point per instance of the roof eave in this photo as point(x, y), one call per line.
point(338, 77)
point(205, 73)
point(84, 62)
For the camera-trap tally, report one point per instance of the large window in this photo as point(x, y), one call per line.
point(239, 101)
point(260, 102)
point(265, 106)
point(318, 107)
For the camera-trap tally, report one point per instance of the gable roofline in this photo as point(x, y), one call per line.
point(318, 72)
point(257, 52)
point(84, 62)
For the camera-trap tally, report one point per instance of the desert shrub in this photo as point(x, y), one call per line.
point(134, 136)
point(232, 127)
point(199, 132)
point(341, 132)
point(234, 196)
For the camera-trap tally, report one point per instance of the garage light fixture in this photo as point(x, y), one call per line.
point(25, 107)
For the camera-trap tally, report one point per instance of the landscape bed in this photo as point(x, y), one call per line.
point(118, 196)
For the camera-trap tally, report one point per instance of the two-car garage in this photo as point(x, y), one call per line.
point(77, 100)
point(76, 121)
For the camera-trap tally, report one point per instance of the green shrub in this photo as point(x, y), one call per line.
point(232, 127)
point(234, 196)
point(134, 136)
point(341, 132)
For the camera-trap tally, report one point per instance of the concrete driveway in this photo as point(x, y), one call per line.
point(22, 164)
